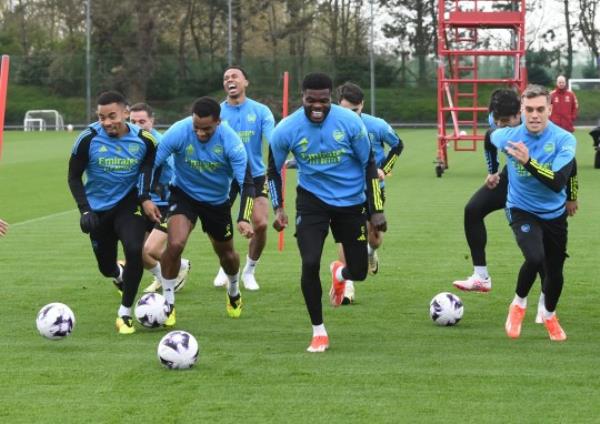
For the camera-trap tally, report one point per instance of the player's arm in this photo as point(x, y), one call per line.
point(274, 181)
point(267, 125)
point(242, 173)
point(80, 157)
point(396, 146)
point(491, 153)
point(554, 180)
point(573, 183)
point(278, 152)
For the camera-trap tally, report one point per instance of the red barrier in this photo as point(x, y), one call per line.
point(284, 113)
point(3, 90)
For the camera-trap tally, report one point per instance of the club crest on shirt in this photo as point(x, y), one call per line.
point(338, 135)
point(549, 147)
point(103, 149)
point(218, 149)
point(251, 117)
point(133, 148)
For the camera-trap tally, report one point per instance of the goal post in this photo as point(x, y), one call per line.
point(42, 120)
point(577, 83)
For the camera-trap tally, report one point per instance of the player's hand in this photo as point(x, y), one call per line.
point(492, 180)
point(3, 228)
point(281, 220)
point(519, 151)
point(572, 206)
point(245, 229)
point(151, 211)
point(378, 221)
point(89, 221)
point(380, 174)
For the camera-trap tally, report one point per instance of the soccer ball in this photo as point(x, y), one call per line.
point(55, 321)
point(178, 350)
point(446, 309)
point(152, 310)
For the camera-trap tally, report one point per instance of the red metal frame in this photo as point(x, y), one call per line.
point(459, 50)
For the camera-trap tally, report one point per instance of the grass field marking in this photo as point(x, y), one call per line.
point(42, 218)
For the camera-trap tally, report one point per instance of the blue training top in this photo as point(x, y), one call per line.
point(332, 156)
point(254, 123)
point(553, 148)
point(204, 171)
point(113, 165)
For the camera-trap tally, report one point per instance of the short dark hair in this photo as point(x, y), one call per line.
point(351, 93)
point(142, 107)
point(504, 102)
point(206, 106)
point(317, 81)
point(239, 68)
point(109, 97)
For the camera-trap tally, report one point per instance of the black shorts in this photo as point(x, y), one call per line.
point(151, 225)
point(348, 223)
point(215, 219)
point(534, 234)
point(261, 189)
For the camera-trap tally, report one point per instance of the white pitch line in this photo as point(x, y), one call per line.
point(42, 218)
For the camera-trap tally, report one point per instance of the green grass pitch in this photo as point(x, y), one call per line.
point(387, 364)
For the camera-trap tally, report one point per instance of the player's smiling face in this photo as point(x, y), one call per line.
point(537, 112)
point(112, 117)
point(317, 104)
point(205, 127)
point(234, 83)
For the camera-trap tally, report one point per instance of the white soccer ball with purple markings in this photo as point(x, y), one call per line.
point(152, 310)
point(178, 350)
point(55, 321)
point(446, 309)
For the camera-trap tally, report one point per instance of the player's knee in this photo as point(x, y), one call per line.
point(260, 226)
point(107, 270)
point(310, 267)
point(535, 258)
point(229, 257)
point(472, 210)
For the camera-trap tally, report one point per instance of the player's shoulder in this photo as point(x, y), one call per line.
point(560, 134)
point(507, 133)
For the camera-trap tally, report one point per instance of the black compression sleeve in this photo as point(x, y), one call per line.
point(392, 157)
point(274, 181)
point(374, 197)
point(146, 165)
point(491, 153)
point(77, 165)
point(573, 184)
point(556, 181)
point(246, 197)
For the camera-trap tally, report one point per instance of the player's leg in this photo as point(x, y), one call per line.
point(555, 245)
point(375, 239)
point(217, 223)
point(530, 239)
point(349, 227)
point(221, 279)
point(481, 204)
point(312, 226)
point(130, 227)
point(260, 220)
point(104, 244)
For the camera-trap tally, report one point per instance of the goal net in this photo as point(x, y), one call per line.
point(42, 120)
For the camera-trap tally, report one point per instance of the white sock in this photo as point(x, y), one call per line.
point(542, 301)
point(319, 330)
point(121, 271)
point(520, 301)
point(370, 250)
point(184, 264)
point(250, 265)
point(233, 288)
point(168, 289)
point(548, 314)
point(481, 271)
point(124, 310)
point(338, 274)
point(156, 271)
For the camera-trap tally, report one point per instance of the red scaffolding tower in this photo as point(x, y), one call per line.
point(466, 29)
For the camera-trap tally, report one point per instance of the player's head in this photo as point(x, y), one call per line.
point(561, 82)
point(351, 97)
point(316, 96)
point(205, 117)
point(235, 81)
point(112, 113)
point(505, 107)
point(536, 107)
point(142, 115)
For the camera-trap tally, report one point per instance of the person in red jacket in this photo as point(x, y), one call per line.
point(564, 105)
